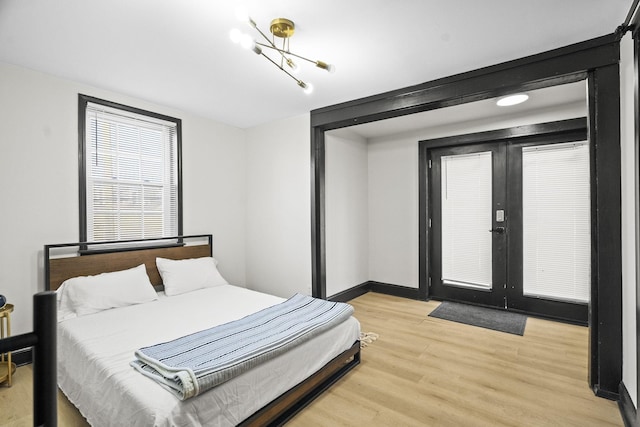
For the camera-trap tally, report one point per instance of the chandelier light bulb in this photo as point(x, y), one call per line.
point(235, 35)
point(308, 88)
point(322, 65)
point(247, 42)
point(294, 67)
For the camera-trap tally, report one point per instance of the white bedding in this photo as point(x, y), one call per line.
point(94, 353)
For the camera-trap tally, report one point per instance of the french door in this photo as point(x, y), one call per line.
point(510, 225)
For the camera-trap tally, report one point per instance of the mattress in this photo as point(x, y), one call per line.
point(94, 352)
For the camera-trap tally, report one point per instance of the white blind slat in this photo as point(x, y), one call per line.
point(556, 221)
point(466, 220)
point(132, 189)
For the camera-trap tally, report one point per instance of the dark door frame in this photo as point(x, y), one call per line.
point(541, 133)
point(636, 54)
point(598, 61)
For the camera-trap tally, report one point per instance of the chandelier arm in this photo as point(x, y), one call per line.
point(281, 68)
point(284, 45)
point(271, 45)
point(280, 51)
point(302, 57)
point(283, 52)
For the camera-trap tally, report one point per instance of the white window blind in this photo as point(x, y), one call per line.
point(466, 220)
point(556, 221)
point(131, 175)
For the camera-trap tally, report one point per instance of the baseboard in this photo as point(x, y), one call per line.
point(351, 293)
point(627, 409)
point(21, 357)
point(395, 290)
point(379, 287)
point(606, 394)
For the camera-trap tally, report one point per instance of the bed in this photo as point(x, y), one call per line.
point(95, 350)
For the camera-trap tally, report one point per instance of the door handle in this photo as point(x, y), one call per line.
point(499, 230)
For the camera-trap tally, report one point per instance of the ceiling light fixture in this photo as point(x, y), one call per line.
point(281, 28)
point(518, 98)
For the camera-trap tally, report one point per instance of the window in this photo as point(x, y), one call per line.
point(130, 174)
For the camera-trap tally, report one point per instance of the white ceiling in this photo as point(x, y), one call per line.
point(178, 52)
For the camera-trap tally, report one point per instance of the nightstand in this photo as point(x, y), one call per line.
point(7, 368)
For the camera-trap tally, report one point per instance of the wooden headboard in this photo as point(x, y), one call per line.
point(67, 260)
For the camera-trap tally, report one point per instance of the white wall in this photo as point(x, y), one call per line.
point(393, 211)
point(39, 180)
point(214, 182)
point(278, 239)
point(393, 190)
point(346, 212)
point(628, 193)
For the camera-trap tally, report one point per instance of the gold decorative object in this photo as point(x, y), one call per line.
point(7, 368)
point(280, 28)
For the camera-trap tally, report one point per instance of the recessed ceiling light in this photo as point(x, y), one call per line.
point(512, 99)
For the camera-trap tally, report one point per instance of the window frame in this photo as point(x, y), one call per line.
point(83, 101)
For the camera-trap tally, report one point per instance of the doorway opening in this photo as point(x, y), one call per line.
point(510, 219)
point(597, 62)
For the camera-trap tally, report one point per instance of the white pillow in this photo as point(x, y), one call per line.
point(185, 275)
point(65, 309)
point(90, 294)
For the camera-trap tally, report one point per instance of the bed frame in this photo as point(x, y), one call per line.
point(64, 261)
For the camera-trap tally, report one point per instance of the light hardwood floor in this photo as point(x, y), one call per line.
point(424, 371)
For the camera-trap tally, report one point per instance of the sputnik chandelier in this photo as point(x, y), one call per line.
point(281, 28)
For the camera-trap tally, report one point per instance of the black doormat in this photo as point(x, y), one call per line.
point(489, 318)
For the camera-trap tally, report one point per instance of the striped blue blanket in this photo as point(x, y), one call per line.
point(195, 363)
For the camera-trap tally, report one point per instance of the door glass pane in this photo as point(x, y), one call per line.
point(466, 220)
point(556, 221)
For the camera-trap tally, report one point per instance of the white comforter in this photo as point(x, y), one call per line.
point(94, 352)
